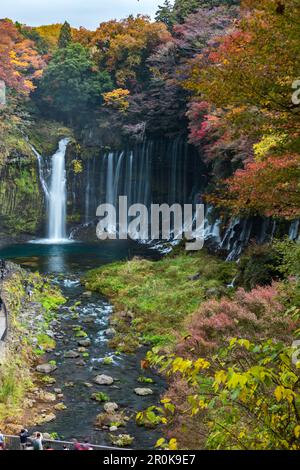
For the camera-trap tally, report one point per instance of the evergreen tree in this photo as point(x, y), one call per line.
point(165, 14)
point(72, 85)
point(65, 36)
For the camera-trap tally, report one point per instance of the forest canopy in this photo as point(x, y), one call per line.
point(219, 71)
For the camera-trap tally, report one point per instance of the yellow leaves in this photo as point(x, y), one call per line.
point(202, 405)
point(201, 364)
point(282, 393)
point(236, 380)
point(220, 378)
point(38, 73)
point(29, 85)
point(268, 143)
point(168, 406)
point(171, 445)
point(297, 431)
point(77, 166)
point(197, 403)
point(278, 392)
point(160, 442)
point(188, 368)
point(117, 99)
point(181, 365)
point(19, 64)
point(165, 400)
point(245, 343)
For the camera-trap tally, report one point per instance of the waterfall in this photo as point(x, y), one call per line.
point(211, 227)
point(148, 172)
point(117, 177)
point(55, 192)
point(87, 194)
point(110, 179)
point(41, 172)
point(58, 194)
point(294, 229)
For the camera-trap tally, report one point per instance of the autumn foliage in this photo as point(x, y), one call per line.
point(20, 62)
point(269, 187)
point(245, 78)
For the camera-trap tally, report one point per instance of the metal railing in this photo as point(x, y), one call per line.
point(12, 442)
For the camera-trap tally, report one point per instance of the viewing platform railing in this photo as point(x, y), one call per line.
point(13, 443)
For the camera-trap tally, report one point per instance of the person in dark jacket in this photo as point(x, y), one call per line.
point(23, 438)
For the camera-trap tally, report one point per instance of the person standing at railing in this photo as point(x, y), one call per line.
point(38, 442)
point(24, 434)
point(2, 441)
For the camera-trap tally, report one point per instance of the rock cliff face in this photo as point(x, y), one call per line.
point(156, 170)
point(21, 203)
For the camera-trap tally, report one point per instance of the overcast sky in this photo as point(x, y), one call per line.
point(88, 13)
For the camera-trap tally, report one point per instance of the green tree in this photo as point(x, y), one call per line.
point(170, 14)
point(72, 84)
point(32, 34)
point(65, 36)
point(165, 14)
point(182, 8)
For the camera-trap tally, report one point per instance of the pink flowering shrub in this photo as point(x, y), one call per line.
point(255, 315)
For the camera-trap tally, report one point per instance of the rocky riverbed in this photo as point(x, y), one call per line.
point(95, 392)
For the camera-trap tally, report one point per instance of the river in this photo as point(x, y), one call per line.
point(66, 263)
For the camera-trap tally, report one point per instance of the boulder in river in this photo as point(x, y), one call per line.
point(87, 384)
point(110, 332)
point(45, 418)
point(105, 420)
point(88, 319)
point(122, 440)
point(80, 363)
point(60, 407)
point(71, 354)
point(84, 342)
point(46, 368)
point(46, 396)
point(103, 379)
point(143, 391)
point(110, 407)
point(87, 293)
point(69, 384)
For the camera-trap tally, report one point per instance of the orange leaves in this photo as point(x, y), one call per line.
point(122, 46)
point(270, 187)
point(19, 59)
point(246, 77)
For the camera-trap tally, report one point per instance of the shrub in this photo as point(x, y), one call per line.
point(259, 265)
point(250, 314)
